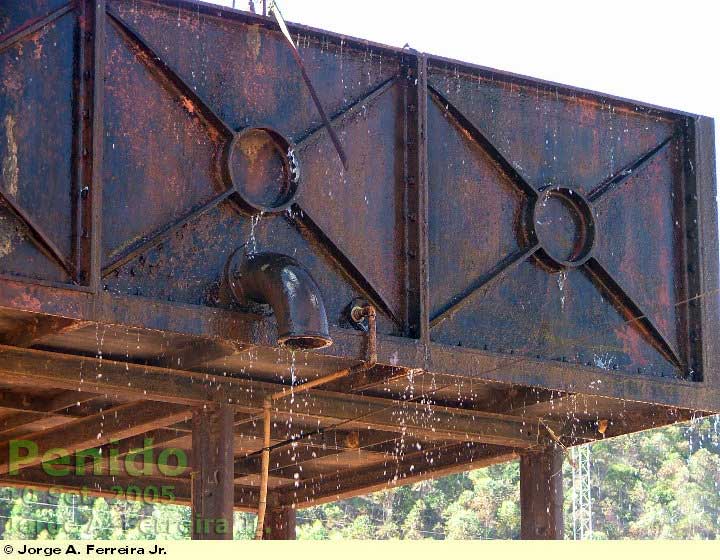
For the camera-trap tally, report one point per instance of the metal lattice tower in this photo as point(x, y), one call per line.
point(582, 493)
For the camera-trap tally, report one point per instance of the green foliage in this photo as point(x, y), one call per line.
point(658, 484)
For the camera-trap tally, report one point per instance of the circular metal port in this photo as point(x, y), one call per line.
point(561, 221)
point(264, 170)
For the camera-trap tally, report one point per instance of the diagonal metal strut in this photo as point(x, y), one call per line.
point(30, 27)
point(621, 174)
point(621, 299)
point(500, 270)
point(151, 58)
point(477, 135)
point(36, 233)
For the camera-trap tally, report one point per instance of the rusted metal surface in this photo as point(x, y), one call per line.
point(511, 233)
point(541, 495)
point(582, 240)
point(290, 292)
point(535, 241)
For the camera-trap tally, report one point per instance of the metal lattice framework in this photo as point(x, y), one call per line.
point(582, 493)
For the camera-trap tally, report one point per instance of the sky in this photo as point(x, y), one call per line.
point(663, 53)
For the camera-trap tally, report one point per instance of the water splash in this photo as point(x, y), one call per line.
point(562, 278)
point(252, 239)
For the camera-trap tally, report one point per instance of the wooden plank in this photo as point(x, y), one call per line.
point(153, 439)
point(280, 459)
point(125, 380)
point(418, 419)
point(368, 379)
point(28, 420)
point(99, 485)
point(99, 429)
point(413, 467)
point(130, 311)
point(541, 494)
point(35, 328)
point(41, 404)
point(212, 474)
point(36, 408)
point(316, 446)
point(198, 353)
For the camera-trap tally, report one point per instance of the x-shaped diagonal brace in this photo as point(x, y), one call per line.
point(298, 215)
point(592, 266)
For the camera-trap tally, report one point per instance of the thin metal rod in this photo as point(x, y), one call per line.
point(296, 55)
point(367, 311)
point(265, 474)
point(349, 111)
point(311, 384)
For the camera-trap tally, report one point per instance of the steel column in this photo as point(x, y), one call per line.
point(212, 474)
point(541, 494)
point(280, 524)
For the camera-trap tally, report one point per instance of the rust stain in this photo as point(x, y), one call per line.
point(189, 105)
point(252, 148)
point(36, 38)
point(37, 51)
point(10, 169)
point(27, 302)
point(12, 81)
point(8, 237)
point(253, 40)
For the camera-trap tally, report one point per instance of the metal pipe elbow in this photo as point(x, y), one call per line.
point(288, 288)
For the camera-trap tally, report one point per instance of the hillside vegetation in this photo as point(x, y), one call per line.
point(657, 484)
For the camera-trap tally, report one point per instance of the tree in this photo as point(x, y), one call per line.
point(656, 484)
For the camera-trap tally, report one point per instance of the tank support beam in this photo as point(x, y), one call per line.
point(279, 524)
point(541, 494)
point(212, 473)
